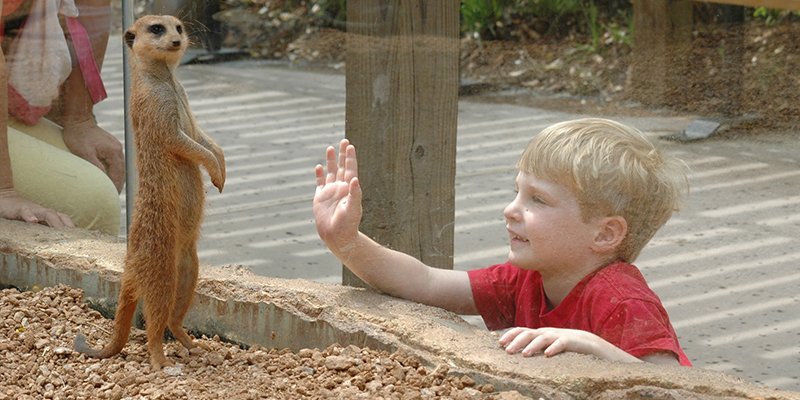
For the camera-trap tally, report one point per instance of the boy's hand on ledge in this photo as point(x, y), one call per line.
point(554, 340)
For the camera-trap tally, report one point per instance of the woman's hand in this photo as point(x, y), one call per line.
point(12, 206)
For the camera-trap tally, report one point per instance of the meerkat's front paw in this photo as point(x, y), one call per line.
point(219, 181)
point(218, 184)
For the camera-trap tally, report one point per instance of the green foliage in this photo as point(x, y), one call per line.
point(592, 25)
point(552, 10)
point(489, 19)
point(480, 17)
point(623, 35)
point(772, 16)
point(330, 12)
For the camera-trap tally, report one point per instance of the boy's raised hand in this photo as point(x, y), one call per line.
point(337, 200)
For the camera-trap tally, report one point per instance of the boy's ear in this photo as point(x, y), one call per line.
point(610, 234)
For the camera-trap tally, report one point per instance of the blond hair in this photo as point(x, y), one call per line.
point(612, 169)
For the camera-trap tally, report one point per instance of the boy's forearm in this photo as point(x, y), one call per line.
point(401, 275)
point(608, 351)
point(387, 270)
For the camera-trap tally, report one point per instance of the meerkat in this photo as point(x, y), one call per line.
point(161, 264)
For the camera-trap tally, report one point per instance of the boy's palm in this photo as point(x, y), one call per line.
point(337, 201)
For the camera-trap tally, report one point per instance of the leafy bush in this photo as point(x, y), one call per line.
point(481, 17)
point(772, 16)
point(493, 19)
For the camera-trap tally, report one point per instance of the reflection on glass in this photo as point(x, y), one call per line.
point(57, 166)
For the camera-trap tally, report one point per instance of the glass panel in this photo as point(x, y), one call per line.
point(461, 93)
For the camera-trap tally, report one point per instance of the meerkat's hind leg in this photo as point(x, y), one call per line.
point(126, 307)
point(158, 303)
point(188, 270)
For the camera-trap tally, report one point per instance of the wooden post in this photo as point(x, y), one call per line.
point(730, 50)
point(661, 46)
point(402, 104)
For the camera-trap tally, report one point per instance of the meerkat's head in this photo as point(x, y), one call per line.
point(157, 37)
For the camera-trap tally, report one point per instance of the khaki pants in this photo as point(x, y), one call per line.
point(47, 173)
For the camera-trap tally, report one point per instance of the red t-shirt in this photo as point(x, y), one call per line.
point(614, 303)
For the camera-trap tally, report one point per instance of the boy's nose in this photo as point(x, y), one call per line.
point(509, 211)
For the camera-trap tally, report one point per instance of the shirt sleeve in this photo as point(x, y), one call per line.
point(640, 328)
point(493, 295)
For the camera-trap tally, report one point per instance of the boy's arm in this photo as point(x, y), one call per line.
point(554, 340)
point(337, 212)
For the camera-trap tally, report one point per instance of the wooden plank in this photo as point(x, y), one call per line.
point(780, 4)
point(661, 49)
point(663, 72)
point(402, 105)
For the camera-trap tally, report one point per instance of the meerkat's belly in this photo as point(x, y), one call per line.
point(192, 196)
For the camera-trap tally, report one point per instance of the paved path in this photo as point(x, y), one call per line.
point(726, 267)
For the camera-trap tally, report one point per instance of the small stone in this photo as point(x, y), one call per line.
point(338, 363)
point(172, 371)
point(96, 380)
point(18, 316)
point(467, 381)
point(215, 359)
point(57, 330)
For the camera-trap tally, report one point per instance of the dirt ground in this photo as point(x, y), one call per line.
point(37, 361)
point(745, 77)
point(563, 74)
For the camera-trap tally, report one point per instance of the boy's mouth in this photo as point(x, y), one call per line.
point(516, 238)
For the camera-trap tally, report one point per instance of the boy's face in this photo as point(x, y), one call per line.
point(546, 228)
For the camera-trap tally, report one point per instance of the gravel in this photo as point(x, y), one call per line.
point(37, 362)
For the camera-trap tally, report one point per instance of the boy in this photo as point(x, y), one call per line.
point(590, 194)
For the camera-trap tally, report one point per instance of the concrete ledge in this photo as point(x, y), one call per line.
point(296, 314)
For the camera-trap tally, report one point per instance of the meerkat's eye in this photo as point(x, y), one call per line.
point(180, 29)
point(157, 29)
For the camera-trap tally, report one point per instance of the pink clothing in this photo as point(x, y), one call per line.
point(614, 303)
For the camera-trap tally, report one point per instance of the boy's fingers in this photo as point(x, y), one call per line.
point(350, 164)
point(319, 174)
point(342, 158)
point(553, 349)
point(355, 190)
point(538, 343)
point(510, 335)
point(330, 162)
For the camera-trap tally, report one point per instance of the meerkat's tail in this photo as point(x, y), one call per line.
point(122, 328)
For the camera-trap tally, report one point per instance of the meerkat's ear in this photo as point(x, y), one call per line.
point(129, 38)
